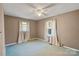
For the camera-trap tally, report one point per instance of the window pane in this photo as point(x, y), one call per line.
point(49, 31)
point(24, 23)
point(49, 28)
point(24, 26)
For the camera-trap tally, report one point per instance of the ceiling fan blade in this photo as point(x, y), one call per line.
point(49, 6)
point(31, 5)
point(44, 14)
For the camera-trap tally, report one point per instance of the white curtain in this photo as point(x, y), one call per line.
point(24, 34)
point(45, 32)
point(53, 38)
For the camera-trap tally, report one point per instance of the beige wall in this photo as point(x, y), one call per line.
point(2, 37)
point(40, 28)
point(33, 29)
point(11, 29)
point(67, 27)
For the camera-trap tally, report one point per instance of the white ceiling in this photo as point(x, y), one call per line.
point(23, 10)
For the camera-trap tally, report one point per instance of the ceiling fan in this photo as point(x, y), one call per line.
point(40, 10)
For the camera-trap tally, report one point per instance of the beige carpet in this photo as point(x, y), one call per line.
point(38, 48)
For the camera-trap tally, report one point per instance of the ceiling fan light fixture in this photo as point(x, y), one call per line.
point(39, 11)
point(39, 14)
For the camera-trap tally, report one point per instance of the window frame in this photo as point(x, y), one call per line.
point(22, 25)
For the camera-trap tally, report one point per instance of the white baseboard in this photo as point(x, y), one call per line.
point(71, 48)
point(34, 39)
point(10, 44)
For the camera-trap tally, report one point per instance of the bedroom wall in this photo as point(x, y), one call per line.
point(33, 29)
point(40, 28)
point(11, 29)
point(67, 27)
point(2, 35)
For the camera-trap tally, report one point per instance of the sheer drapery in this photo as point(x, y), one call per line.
point(53, 37)
point(55, 40)
point(24, 31)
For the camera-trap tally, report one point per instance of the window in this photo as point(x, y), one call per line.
point(24, 26)
point(49, 31)
point(49, 28)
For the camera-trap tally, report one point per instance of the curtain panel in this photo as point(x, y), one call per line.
point(53, 38)
point(23, 35)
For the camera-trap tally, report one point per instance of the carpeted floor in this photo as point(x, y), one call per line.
point(38, 48)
